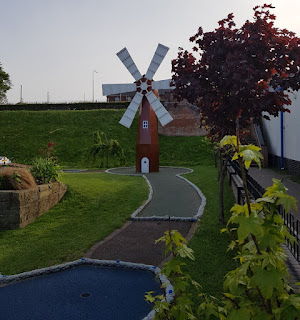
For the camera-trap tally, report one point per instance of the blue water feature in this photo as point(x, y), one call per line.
point(81, 292)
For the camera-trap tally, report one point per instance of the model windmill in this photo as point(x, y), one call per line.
point(147, 152)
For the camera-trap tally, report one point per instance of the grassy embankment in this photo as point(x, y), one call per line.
point(84, 216)
point(24, 132)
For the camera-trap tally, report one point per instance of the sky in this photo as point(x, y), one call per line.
point(51, 47)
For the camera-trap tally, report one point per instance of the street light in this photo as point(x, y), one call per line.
point(94, 83)
point(21, 94)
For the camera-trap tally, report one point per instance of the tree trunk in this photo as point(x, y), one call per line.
point(221, 201)
point(215, 158)
point(220, 163)
point(222, 174)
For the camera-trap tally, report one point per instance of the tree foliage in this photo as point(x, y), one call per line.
point(182, 305)
point(5, 84)
point(234, 72)
point(104, 148)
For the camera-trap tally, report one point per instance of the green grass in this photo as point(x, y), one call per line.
point(209, 245)
point(184, 151)
point(24, 132)
point(94, 206)
point(72, 131)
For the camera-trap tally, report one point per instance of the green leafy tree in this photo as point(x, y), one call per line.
point(5, 84)
point(233, 73)
point(258, 289)
point(104, 148)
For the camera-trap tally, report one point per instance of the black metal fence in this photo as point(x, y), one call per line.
point(292, 223)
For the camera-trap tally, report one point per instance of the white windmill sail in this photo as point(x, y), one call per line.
point(129, 114)
point(162, 114)
point(162, 85)
point(109, 89)
point(126, 59)
point(143, 86)
point(157, 59)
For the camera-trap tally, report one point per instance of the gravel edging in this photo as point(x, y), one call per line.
point(164, 218)
point(165, 283)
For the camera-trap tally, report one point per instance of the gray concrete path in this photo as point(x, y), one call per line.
point(172, 196)
point(264, 178)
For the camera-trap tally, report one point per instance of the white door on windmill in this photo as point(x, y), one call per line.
point(145, 165)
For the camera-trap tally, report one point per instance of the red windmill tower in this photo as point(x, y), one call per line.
point(147, 150)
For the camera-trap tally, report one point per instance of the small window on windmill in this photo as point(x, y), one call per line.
point(145, 124)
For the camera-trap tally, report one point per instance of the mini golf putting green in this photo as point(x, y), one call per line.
point(80, 292)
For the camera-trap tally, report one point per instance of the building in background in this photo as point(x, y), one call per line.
point(282, 135)
point(128, 96)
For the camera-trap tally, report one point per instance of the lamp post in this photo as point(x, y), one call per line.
point(21, 94)
point(94, 83)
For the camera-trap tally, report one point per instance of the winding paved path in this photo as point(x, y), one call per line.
point(172, 196)
point(135, 241)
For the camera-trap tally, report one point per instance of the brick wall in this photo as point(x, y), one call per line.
point(21, 207)
point(186, 120)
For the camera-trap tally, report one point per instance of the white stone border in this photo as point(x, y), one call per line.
point(165, 283)
point(164, 218)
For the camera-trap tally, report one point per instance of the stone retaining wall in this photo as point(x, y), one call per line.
point(18, 208)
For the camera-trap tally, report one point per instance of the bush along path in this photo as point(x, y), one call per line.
point(170, 196)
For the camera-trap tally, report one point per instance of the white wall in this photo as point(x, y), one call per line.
point(291, 132)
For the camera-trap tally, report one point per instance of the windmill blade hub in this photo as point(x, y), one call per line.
point(144, 85)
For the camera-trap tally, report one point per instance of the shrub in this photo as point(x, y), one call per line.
point(45, 171)
point(104, 148)
point(16, 179)
point(49, 152)
point(258, 289)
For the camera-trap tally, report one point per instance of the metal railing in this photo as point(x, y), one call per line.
point(255, 189)
point(290, 221)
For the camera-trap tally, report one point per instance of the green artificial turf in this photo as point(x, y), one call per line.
point(95, 205)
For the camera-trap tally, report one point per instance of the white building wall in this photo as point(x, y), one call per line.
point(291, 132)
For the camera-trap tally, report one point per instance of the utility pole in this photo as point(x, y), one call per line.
point(21, 95)
point(94, 83)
